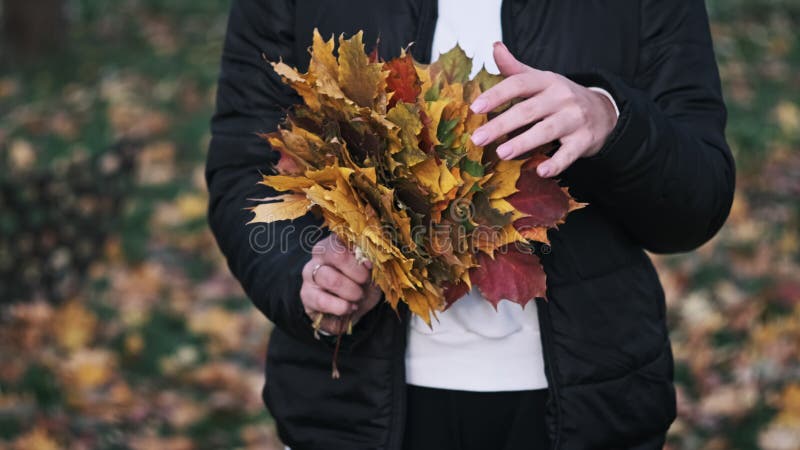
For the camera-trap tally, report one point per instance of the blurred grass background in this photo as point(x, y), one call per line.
point(121, 327)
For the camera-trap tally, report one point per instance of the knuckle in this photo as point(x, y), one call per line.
point(548, 129)
point(562, 92)
point(324, 305)
point(580, 149)
point(310, 298)
point(355, 294)
point(319, 248)
point(561, 161)
point(348, 257)
point(341, 307)
point(576, 114)
point(322, 277)
point(583, 112)
point(578, 145)
point(336, 244)
point(304, 294)
point(580, 141)
point(552, 77)
point(518, 83)
point(346, 288)
point(554, 94)
point(583, 138)
point(333, 305)
point(528, 108)
point(336, 255)
point(589, 139)
point(568, 94)
point(361, 274)
point(332, 280)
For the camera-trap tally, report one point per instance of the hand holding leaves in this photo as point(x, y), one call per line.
point(335, 284)
point(557, 109)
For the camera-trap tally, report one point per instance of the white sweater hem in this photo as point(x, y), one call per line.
point(467, 361)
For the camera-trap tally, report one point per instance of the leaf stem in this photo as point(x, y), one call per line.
point(345, 325)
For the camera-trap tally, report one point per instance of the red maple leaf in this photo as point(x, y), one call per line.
point(512, 275)
point(402, 80)
point(453, 292)
point(542, 199)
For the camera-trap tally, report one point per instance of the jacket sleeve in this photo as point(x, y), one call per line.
point(666, 173)
point(266, 259)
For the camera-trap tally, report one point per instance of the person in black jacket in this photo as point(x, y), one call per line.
point(661, 180)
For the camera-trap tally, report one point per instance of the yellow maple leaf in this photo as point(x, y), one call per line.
point(503, 180)
point(436, 177)
point(323, 64)
point(434, 112)
point(362, 81)
point(285, 207)
point(298, 83)
point(286, 182)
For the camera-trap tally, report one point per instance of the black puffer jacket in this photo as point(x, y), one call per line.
point(663, 182)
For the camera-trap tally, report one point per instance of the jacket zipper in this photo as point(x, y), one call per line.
point(428, 12)
point(546, 328)
point(547, 344)
point(397, 428)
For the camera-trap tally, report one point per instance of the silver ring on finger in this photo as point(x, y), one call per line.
point(314, 272)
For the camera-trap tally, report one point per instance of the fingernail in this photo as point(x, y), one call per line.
point(544, 171)
point(478, 105)
point(504, 151)
point(479, 137)
point(367, 264)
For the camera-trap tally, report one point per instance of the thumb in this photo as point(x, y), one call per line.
point(506, 62)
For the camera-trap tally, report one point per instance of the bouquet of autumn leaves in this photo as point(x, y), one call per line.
point(381, 151)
